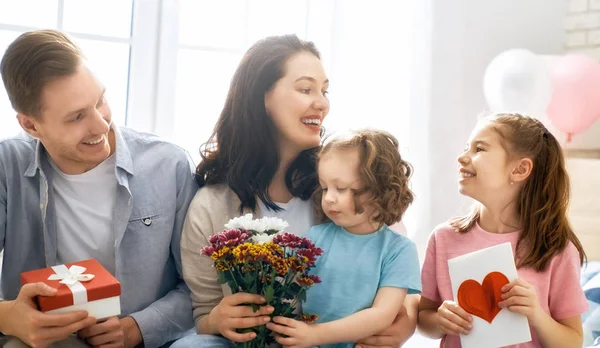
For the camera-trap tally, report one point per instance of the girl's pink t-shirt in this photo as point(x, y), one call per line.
point(558, 287)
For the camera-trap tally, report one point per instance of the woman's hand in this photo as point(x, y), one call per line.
point(234, 312)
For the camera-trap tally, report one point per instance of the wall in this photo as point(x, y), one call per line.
point(466, 35)
point(583, 36)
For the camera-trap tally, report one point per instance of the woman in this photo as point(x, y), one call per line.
point(260, 160)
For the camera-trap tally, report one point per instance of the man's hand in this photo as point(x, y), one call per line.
point(112, 333)
point(20, 318)
point(394, 336)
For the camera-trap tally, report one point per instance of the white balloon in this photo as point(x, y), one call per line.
point(518, 81)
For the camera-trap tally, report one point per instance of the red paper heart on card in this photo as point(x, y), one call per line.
point(482, 299)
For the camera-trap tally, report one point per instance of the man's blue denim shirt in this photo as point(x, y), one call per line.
point(155, 185)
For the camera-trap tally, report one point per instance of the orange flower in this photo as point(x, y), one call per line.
point(308, 280)
point(297, 265)
point(221, 253)
point(279, 263)
point(222, 266)
point(273, 248)
point(305, 281)
point(309, 318)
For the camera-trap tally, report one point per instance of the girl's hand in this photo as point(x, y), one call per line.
point(520, 297)
point(292, 333)
point(453, 320)
point(233, 313)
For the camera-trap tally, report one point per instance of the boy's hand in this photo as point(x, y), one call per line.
point(292, 333)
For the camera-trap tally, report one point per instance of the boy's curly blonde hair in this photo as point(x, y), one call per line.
point(383, 173)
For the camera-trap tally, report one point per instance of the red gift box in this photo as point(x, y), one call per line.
point(83, 285)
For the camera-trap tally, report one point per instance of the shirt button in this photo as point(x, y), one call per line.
point(147, 221)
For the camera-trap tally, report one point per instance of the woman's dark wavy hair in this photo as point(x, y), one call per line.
point(242, 150)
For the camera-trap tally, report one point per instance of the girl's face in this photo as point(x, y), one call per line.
point(484, 169)
point(298, 103)
point(339, 178)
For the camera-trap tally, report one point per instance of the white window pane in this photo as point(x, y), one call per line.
point(320, 22)
point(203, 80)
point(8, 122)
point(387, 101)
point(32, 13)
point(212, 23)
point(100, 17)
point(276, 17)
point(110, 63)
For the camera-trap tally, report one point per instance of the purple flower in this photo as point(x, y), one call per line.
point(287, 239)
point(314, 278)
point(310, 255)
point(208, 250)
point(230, 238)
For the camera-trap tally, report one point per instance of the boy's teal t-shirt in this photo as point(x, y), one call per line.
point(353, 267)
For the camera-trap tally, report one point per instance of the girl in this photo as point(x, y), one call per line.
point(514, 168)
point(366, 269)
point(261, 160)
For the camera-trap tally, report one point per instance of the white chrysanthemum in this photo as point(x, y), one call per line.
point(258, 226)
point(273, 224)
point(241, 222)
point(262, 238)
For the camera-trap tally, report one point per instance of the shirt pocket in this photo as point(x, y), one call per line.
point(150, 221)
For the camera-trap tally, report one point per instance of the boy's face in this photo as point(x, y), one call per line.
point(340, 179)
point(74, 123)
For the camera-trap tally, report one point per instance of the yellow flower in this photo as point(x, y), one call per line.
point(296, 264)
point(309, 318)
point(241, 252)
point(222, 266)
point(224, 251)
point(273, 248)
point(279, 263)
point(305, 281)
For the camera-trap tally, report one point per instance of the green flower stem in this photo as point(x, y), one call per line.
point(293, 304)
point(237, 286)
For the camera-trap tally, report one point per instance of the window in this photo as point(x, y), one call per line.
point(212, 37)
point(8, 122)
point(167, 65)
point(106, 44)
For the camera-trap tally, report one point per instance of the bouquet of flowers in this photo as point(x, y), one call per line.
point(257, 256)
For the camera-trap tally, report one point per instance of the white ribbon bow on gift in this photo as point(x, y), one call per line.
point(72, 278)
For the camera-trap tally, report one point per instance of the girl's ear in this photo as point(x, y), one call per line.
point(522, 170)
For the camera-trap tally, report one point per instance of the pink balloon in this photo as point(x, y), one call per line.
point(575, 103)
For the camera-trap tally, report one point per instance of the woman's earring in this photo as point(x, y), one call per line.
point(512, 182)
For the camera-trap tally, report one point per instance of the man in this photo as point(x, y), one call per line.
point(77, 187)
